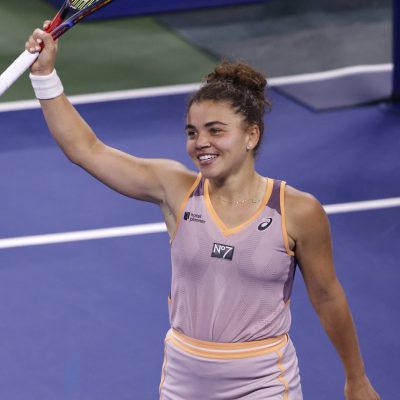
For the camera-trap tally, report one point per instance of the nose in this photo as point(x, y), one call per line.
point(202, 141)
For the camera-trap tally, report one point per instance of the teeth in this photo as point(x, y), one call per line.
point(207, 157)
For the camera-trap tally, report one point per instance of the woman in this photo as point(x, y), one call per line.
point(235, 239)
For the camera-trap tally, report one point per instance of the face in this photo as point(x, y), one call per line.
point(218, 141)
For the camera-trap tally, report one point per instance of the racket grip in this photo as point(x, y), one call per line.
point(16, 69)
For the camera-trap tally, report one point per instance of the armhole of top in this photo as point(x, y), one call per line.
point(183, 204)
point(283, 219)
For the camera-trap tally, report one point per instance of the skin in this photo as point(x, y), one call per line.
point(221, 145)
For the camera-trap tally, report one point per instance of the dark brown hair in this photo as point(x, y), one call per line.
point(242, 87)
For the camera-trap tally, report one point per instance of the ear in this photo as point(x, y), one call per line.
point(252, 137)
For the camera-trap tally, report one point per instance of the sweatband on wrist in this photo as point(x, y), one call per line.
point(46, 86)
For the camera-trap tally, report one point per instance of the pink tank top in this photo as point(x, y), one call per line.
point(231, 285)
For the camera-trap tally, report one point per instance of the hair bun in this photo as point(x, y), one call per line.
point(240, 75)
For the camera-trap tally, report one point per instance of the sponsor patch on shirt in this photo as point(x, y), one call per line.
point(222, 251)
point(192, 217)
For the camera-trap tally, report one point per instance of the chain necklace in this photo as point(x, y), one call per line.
point(240, 203)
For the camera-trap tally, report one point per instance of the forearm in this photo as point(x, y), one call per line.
point(71, 132)
point(334, 313)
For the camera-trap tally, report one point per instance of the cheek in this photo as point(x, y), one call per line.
point(233, 144)
point(189, 147)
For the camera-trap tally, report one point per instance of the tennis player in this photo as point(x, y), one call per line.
point(236, 238)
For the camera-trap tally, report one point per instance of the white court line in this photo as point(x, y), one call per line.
point(332, 74)
point(362, 205)
point(82, 235)
point(159, 227)
point(107, 96)
point(191, 87)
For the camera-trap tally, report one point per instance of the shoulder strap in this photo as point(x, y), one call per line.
point(275, 199)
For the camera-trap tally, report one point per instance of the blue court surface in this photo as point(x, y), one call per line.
point(85, 319)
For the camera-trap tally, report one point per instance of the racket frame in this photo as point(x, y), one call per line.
point(64, 20)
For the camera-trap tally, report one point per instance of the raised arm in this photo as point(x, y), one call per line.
point(309, 232)
point(160, 181)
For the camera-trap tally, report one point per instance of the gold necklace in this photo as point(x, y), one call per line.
point(240, 203)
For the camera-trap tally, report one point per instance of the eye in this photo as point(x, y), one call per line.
point(215, 131)
point(191, 134)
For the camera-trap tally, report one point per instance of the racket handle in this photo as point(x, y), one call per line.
point(16, 69)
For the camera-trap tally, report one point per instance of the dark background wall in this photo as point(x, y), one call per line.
point(122, 8)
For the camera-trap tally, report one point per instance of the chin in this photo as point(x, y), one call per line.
point(211, 173)
point(206, 172)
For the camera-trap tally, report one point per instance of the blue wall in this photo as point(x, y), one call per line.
point(121, 8)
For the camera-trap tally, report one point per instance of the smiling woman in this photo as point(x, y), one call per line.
point(236, 238)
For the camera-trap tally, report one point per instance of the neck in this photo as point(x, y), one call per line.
point(237, 190)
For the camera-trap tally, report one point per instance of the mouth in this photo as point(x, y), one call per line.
point(205, 159)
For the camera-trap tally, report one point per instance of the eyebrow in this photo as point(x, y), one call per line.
point(207, 125)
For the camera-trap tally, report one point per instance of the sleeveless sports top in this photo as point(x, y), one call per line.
point(231, 285)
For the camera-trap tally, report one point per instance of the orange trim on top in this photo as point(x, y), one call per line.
point(283, 219)
point(229, 231)
point(183, 204)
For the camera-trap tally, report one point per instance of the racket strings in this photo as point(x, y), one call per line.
point(81, 4)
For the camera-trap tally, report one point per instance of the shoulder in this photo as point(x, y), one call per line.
point(170, 171)
point(177, 178)
point(177, 181)
point(304, 213)
point(165, 179)
point(308, 226)
point(300, 204)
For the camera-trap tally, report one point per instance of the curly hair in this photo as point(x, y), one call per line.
point(242, 87)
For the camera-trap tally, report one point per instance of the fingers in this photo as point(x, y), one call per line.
point(42, 42)
point(33, 44)
point(38, 40)
point(46, 24)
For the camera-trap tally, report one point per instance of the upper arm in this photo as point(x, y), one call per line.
point(164, 182)
point(154, 180)
point(308, 227)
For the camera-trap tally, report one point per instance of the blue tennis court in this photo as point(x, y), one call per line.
point(85, 272)
point(85, 319)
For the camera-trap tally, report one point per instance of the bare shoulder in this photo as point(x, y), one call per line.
point(303, 213)
point(171, 168)
point(176, 172)
point(300, 203)
point(309, 234)
point(176, 179)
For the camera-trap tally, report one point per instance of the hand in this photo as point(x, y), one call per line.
point(360, 389)
point(41, 41)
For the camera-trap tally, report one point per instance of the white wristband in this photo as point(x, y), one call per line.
point(46, 86)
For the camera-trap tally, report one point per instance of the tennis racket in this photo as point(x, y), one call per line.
point(71, 12)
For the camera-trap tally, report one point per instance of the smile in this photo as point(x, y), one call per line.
point(207, 157)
